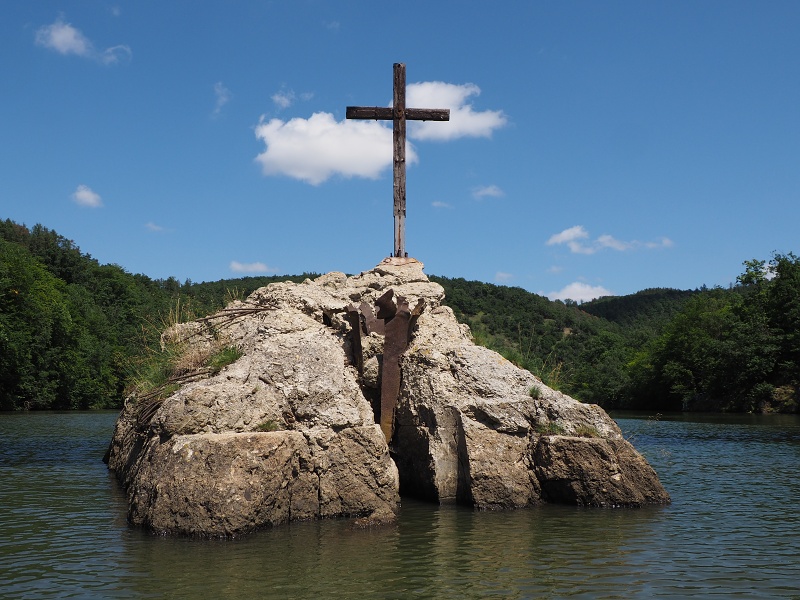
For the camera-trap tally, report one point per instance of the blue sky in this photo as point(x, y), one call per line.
point(594, 147)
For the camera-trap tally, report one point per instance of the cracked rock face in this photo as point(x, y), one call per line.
point(289, 431)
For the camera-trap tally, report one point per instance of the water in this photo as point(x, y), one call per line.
point(733, 530)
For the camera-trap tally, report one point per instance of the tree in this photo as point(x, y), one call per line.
point(36, 331)
point(783, 315)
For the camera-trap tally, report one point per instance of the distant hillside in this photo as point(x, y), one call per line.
point(648, 308)
point(74, 333)
point(566, 346)
point(659, 349)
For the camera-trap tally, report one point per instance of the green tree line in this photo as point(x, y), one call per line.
point(735, 349)
point(73, 332)
point(728, 350)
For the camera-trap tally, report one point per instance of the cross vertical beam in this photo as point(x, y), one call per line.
point(399, 143)
point(398, 114)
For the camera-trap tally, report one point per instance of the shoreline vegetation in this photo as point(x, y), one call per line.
point(75, 334)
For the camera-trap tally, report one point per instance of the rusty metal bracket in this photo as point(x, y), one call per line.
point(397, 338)
point(395, 321)
point(395, 343)
point(369, 322)
point(386, 306)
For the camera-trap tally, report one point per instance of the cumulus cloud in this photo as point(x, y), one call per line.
point(487, 191)
point(319, 147)
point(66, 39)
point(575, 237)
point(579, 292)
point(150, 226)
point(222, 95)
point(85, 196)
point(440, 204)
point(253, 267)
point(502, 277)
point(465, 121)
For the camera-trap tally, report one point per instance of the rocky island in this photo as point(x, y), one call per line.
point(348, 392)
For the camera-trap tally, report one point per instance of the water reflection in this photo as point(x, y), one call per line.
point(444, 553)
point(732, 530)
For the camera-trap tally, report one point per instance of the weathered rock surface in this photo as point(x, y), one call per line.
point(289, 431)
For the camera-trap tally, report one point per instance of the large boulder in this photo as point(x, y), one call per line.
point(475, 429)
point(290, 429)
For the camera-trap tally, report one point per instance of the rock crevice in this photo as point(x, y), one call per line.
point(297, 427)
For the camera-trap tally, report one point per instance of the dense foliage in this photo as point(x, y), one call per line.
point(731, 350)
point(735, 349)
point(584, 350)
point(74, 332)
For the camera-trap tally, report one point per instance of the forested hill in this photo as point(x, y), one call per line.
point(584, 350)
point(652, 307)
point(73, 332)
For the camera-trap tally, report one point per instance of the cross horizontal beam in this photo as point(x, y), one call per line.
point(399, 114)
point(387, 114)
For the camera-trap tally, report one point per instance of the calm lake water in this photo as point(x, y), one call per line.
point(733, 529)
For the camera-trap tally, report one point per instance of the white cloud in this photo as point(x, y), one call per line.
point(115, 54)
point(502, 277)
point(663, 242)
point(465, 121)
point(440, 204)
point(154, 228)
point(66, 39)
point(568, 235)
point(607, 241)
point(487, 191)
point(580, 292)
point(85, 196)
point(573, 237)
point(222, 95)
point(254, 267)
point(283, 98)
point(317, 148)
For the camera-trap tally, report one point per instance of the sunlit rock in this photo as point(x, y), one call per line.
point(289, 431)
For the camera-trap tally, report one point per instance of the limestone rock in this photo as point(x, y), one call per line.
point(288, 431)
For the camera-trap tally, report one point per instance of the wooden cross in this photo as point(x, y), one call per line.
point(399, 114)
